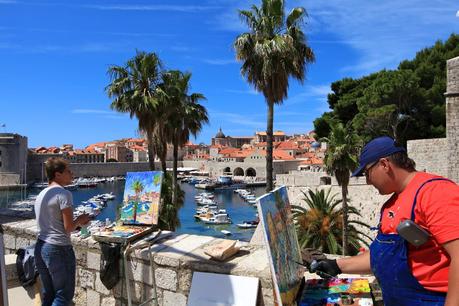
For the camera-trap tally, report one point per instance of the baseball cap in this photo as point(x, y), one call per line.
point(374, 150)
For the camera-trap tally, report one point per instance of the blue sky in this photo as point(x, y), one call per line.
point(54, 56)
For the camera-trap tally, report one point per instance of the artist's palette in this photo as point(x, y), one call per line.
point(336, 291)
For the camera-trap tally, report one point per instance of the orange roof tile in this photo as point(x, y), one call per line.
point(287, 145)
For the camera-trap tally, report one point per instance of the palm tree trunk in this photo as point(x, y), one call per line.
point(345, 221)
point(151, 150)
point(174, 172)
point(269, 147)
point(164, 163)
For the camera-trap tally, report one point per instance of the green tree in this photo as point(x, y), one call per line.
point(133, 89)
point(406, 103)
point(183, 113)
point(274, 50)
point(137, 187)
point(320, 224)
point(340, 159)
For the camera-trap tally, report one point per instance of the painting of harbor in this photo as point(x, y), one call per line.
point(282, 244)
point(141, 198)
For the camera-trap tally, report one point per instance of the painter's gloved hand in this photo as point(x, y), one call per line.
point(325, 268)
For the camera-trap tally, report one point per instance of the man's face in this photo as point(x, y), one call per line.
point(376, 175)
point(65, 177)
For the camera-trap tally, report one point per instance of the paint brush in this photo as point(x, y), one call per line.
point(312, 269)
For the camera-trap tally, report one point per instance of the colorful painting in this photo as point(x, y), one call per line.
point(336, 291)
point(142, 194)
point(282, 244)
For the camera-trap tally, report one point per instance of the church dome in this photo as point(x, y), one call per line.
point(315, 144)
point(220, 134)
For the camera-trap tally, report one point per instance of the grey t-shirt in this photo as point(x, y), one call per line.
point(48, 206)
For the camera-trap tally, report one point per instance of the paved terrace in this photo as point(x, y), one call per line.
point(175, 260)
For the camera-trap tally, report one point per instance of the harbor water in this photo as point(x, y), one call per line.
point(238, 209)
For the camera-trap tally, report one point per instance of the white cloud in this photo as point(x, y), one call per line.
point(219, 62)
point(457, 13)
point(169, 8)
point(383, 32)
point(311, 93)
point(243, 92)
point(240, 120)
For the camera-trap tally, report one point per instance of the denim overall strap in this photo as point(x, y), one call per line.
point(419, 189)
point(389, 263)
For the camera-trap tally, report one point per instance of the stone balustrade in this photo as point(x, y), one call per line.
point(175, 260)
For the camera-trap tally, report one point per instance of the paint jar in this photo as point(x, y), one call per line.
point(346, 299)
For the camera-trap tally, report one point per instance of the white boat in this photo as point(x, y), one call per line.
point(40, 185)
point(206, 202)
point(218, 219)
point(206, 208)
point(71, 187)
point(247, 224)
point(225, 232)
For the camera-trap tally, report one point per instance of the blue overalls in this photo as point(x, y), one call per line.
point(389, 263)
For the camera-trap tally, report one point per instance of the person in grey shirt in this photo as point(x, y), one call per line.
point(54, 254)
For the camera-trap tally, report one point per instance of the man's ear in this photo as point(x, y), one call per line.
point(385, 163)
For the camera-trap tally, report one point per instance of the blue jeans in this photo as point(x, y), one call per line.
point(56, 265)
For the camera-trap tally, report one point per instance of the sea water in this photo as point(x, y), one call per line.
point(238, 209)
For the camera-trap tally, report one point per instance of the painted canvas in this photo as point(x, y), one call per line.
point(336, 291)
point(142, 194)
point(282, 244)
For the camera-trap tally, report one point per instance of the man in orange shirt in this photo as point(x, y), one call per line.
point(408, 275)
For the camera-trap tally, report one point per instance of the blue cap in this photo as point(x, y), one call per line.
point(374, 150)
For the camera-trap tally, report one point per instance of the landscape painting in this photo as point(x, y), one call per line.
point(282, 244)
point(142, 194)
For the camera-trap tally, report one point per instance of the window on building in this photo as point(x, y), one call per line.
point(0, 153)
point(0, 164)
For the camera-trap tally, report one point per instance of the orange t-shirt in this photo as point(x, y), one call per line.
point(437, 211)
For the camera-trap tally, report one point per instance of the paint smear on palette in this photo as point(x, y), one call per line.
point(338, 291)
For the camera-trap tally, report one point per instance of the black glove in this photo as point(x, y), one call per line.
point(325, 268)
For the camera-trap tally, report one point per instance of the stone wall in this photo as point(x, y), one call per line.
point(365, 198)
point(430, 155)
point(36, 171)
point(13, 158)
point(217, 168)
point(452, 117)
point(9, 179)
point(441, 156)
point(175, 260)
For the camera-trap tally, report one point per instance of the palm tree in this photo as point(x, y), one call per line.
point(133, 88)
point(185, 116)
point(168, 216)
point(137, 186)
point(320, 224)
point(340, 159)
point(274, 50)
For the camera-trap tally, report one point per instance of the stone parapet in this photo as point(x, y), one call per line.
point(175, 259)
point(452, 118)
point(452, 76)
point(430, 155)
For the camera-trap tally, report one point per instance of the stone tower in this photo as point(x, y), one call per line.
point(452, 117)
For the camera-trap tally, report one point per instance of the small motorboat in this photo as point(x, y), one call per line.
point(226, 233)
point(218, 219)
point(247, 224)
